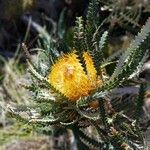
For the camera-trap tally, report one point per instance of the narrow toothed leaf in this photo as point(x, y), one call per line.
point(129, 60)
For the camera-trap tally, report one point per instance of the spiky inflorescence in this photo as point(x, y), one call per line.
point(68, 76)
point(77, 77)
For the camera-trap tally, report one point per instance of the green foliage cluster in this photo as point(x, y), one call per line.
point(114, 130)
point(127, 14)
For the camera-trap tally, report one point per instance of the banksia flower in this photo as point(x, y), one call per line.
point(80, 79)
point(67, 75)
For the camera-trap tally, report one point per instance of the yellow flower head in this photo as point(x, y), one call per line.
point(68, 76)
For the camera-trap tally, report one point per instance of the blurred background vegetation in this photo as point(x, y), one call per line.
point(22, 21)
